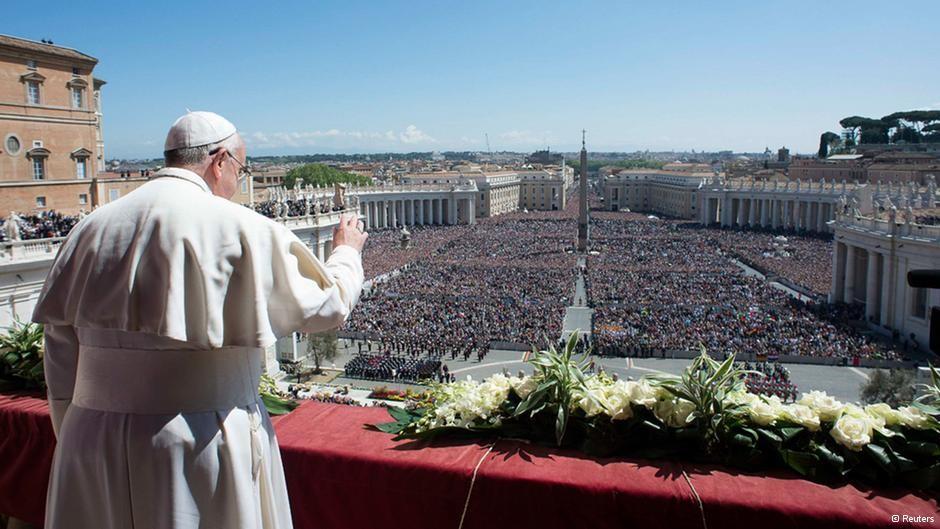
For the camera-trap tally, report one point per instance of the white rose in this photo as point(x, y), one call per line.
point(741, 397)
point(828, 408)
point(639, 392)
point(881, 410)
point(914, 418)
point(802, 415)
point(674, 412)
point(592, 403)
point(852, 431)
point(618, 403)
point(523, 386)
point(763, 411)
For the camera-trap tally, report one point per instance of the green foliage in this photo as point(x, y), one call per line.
point(908, 126)
point(323, 176)
point(895, 388)
point(706, 383)
point(907, 135)
point(274, 399)
point(21, 351)
point(595, 165)
point(561, 376)
point(931, 391)
point(827, 141)
point(322, 347)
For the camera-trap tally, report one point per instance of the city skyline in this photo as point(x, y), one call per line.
point(357, 78)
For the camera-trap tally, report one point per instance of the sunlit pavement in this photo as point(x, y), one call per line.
point(843, 383)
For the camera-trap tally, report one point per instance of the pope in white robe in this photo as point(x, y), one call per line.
point(157, 311)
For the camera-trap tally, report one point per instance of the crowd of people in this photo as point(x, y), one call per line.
point(42, 225)
point(660, 286)
point(769, 379)
point(803, 260)
point(504, 279)
point(385, 252)
point(392, 367)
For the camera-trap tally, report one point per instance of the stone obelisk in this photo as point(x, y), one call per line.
point(583, 205)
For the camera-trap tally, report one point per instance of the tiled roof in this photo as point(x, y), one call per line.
point(47, 49)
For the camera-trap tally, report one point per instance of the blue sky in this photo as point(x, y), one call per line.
point(351, 76)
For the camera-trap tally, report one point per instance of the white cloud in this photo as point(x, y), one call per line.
point(336, 138)
point(413, 134)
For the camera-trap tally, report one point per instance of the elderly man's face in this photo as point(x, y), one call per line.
point(227, 171)
point(234, 169)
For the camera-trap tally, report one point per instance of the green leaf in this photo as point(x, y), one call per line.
point(922, 449)
point(400, 414)
point(802, 462)
point(789, 432)
point(389, 427)
point(923, 478)
point(276, 405)
point(831, 458)
point(880, 457)
point(770, 435)
point(561, 424)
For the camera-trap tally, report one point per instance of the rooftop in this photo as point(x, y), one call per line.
point(43, 48)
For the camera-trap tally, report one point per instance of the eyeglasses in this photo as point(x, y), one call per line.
point(244, 171)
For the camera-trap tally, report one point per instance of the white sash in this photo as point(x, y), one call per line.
point(148, 381)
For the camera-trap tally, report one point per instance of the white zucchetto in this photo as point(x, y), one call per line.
point(195, 129)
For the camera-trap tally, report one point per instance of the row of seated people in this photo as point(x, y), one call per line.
point(393, 368)
point(337, 396)
point(770, 378)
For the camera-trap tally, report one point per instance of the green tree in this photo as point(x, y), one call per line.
point(827, 141)
point(322, 347)
point(323, 176)
point(895, 387)
point(872, 130)
point(595, 165)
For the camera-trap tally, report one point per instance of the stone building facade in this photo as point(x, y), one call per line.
point(545, 189)
point(497, 192)
point(50, 118)
point(870, 262)
point(672, 193)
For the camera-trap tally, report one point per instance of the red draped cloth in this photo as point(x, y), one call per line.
point(341, 475)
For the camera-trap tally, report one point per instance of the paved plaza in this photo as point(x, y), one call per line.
point(843, 383)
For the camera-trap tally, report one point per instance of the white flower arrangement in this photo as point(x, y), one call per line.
point(705, 411)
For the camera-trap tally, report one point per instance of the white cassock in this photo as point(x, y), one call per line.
point(157, 312)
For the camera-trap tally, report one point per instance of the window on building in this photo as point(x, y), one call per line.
point(31, 64)
point(39, 168)
point(114, 194)
point(40, 202)
point(13, 145)
point(78, 97)
point(80, 167)
point(76, 71)
point(919, 303)
point(82, 199)
point(32, 92)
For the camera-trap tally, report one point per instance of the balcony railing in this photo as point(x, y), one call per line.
point(45, 249)
point(30, 250)
point(881, 226)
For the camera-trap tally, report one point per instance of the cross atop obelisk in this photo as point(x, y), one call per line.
point(583, 204)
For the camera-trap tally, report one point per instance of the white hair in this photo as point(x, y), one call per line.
point(190, 156)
